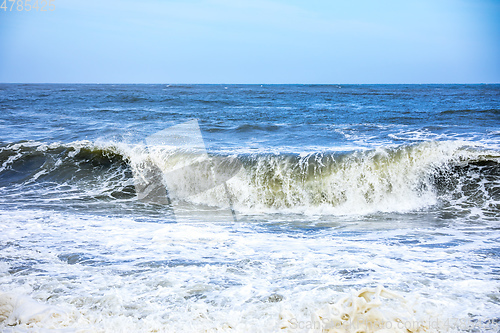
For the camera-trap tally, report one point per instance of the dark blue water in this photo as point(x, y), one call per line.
point(246, 116)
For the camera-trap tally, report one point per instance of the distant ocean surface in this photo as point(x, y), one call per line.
point(355, 208)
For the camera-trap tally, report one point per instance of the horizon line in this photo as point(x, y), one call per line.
point(253, 84)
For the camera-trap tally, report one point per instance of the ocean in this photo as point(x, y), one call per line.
point(249, 208)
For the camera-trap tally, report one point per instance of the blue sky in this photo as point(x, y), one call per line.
point(253, 41)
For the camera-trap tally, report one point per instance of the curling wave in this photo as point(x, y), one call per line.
point(385, 179)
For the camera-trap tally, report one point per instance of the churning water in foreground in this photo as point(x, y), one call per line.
point(356, 208)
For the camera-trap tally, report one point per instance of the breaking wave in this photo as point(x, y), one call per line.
point(385, 179)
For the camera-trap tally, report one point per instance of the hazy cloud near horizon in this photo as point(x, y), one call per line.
point(259, 41)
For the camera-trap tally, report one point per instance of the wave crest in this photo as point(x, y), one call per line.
point(385, 179)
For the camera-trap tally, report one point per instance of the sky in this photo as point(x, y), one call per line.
point(252, 41)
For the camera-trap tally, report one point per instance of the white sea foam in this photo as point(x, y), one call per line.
point(108, 274)
point(22, 313)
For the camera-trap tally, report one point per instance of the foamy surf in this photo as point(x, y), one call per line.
point(109, 274)
point(21, 313)
point(366, 310)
